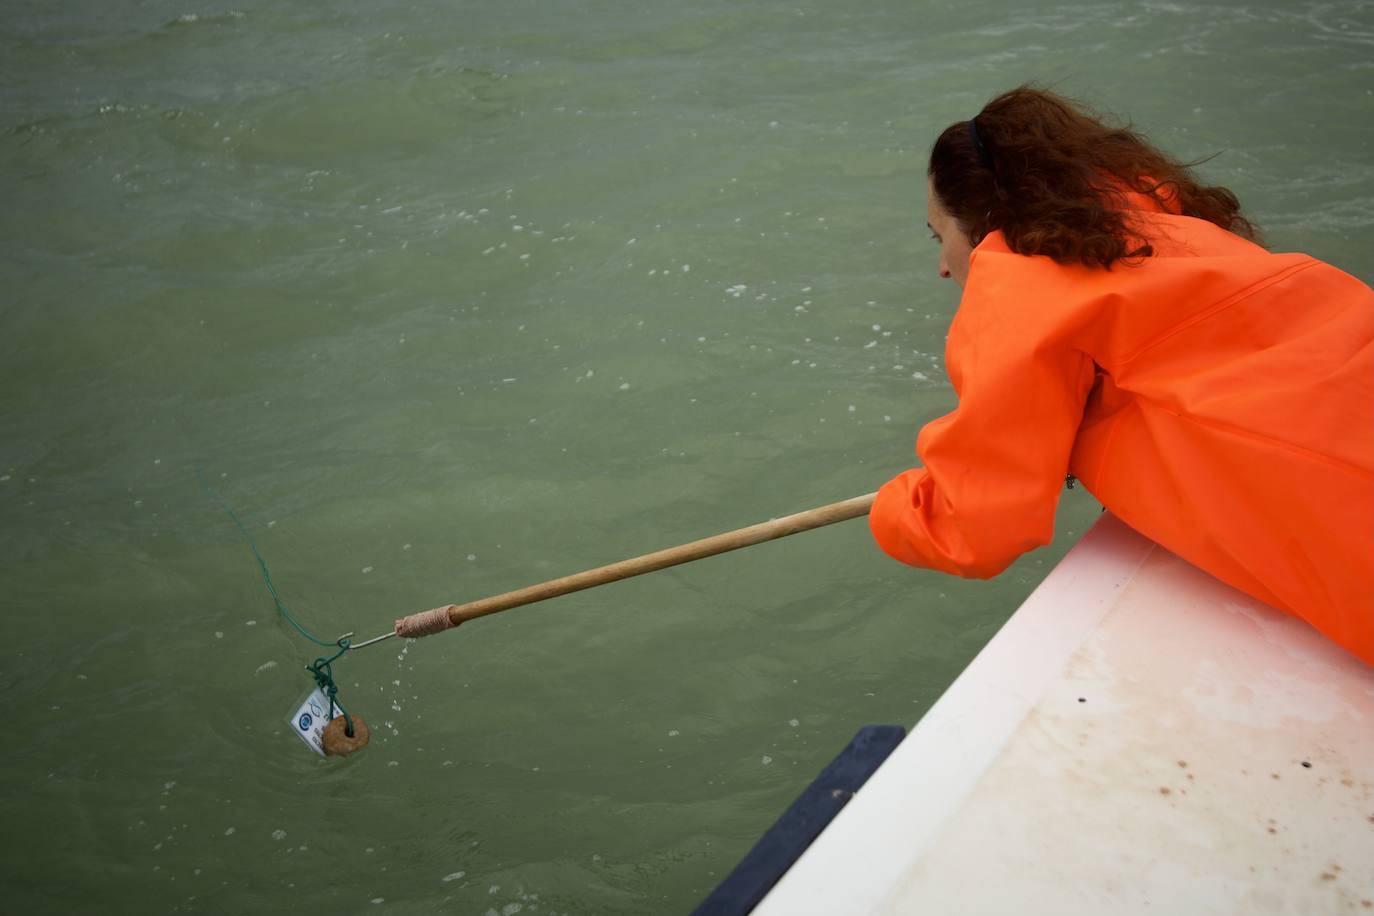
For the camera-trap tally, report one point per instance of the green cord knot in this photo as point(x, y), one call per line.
point(324, 679)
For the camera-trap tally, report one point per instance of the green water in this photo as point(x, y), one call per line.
point(447, 299)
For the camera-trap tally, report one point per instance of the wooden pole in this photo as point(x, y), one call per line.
point(450, 615)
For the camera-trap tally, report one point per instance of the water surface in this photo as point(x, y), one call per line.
point(450, 298)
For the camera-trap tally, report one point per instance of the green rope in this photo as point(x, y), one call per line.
point(262, 564)
point(321, 670)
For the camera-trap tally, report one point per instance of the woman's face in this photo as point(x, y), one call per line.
point(954, 244)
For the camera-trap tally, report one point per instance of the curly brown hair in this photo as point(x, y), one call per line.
point(1051, 175)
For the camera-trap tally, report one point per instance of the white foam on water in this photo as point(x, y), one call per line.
point(279, 834)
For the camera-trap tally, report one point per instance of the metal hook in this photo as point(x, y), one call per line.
point(359, 645)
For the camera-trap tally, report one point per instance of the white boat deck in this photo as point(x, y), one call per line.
point(1138, 738)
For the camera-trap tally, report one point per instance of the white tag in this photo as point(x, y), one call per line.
point(310, 718)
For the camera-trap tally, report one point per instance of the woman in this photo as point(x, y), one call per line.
point(1120, 324)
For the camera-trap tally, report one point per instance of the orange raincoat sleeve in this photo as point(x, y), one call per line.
point(994, 467)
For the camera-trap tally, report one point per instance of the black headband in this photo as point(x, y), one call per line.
point(978, 145)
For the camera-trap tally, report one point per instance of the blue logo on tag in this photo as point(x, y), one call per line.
point(305, 722)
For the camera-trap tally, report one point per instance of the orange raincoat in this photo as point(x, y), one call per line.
point(1217, 398)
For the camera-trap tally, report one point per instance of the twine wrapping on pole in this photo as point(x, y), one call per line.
point(425, 623)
